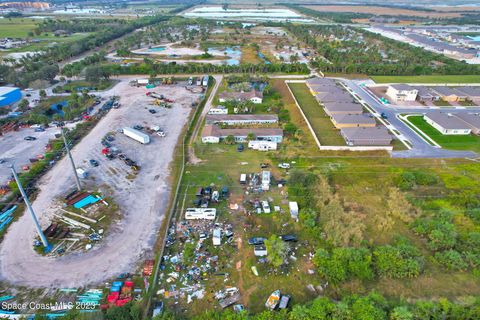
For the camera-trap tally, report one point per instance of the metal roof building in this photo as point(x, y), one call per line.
point(9, 95)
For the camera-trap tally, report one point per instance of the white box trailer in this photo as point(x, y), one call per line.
point(262, 145)
point(205, 81)
point(217, 237)
point(136, 135)
point(200, 213)
point(265, 180)
point(243, 178)
point(293, 206)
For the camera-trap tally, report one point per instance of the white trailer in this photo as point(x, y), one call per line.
point(200, 213)
point(136, 135)
point(142, 81)
point(205, 81)
point(217, 237)
point(293, 206)
point(218, 110)
point(265, 180)
point(243, 178)
point(262, 145)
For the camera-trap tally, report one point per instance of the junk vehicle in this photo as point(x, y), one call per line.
point(284, 300)
point(136, 135)
point(273, 300)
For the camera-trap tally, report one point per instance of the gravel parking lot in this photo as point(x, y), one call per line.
point(142, 198)
point(15, 150)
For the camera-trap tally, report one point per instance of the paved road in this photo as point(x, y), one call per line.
point(420, 148)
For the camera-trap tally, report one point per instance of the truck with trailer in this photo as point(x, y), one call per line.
point(136, 135)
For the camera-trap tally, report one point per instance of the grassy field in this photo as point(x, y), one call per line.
point(454, 142)
point(428, 79)
point(250, 55)
point(319, 120)
point(17, 27)
point(360, 180)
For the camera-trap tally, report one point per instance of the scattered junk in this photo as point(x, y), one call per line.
point(227, 297)
point(293, 206)
point(254, 270)
point(121, 292)
point(73, 225)
point(273, 300)
point(148, 267)
point(136, 135)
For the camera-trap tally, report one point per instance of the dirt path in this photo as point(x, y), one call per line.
point(143, 201)
point(192, 158)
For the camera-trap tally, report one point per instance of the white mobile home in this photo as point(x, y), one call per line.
point(200, 213)
point(262, 145)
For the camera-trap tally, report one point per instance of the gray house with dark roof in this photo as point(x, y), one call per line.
point(366, 136)
point(446, 123)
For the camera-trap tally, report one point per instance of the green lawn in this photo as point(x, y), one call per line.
point(428, 79)
point(441, 103)
point(454, 142)
point(319, 120)
point(17, 28)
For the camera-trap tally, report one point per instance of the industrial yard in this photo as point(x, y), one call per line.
point(141, 197)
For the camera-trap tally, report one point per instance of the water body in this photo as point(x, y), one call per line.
point(474, 38)
point(157, 49)
point(262, 56)
point(234, 54)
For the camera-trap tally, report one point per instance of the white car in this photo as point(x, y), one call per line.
point(161, 134)
point(265, 207)
point(284, 165)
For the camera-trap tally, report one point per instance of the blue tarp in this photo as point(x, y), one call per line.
point(58, 107)
point(86, 201)
point(7, 213)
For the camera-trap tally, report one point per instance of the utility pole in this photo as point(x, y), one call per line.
point(77, 181)
point(30, 209)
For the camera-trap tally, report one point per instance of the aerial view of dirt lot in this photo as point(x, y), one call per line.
point(143, 196)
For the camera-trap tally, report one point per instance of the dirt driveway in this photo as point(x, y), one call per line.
point(143, 200)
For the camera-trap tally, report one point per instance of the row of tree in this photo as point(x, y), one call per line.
point(344, 49)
